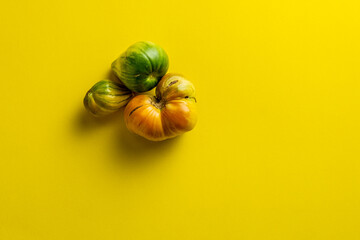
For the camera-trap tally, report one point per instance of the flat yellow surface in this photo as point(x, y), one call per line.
point(275, 154)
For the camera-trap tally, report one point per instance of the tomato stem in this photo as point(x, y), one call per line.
point(158, 103)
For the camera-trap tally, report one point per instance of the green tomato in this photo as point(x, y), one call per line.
point(106, 97)
point(141, 66)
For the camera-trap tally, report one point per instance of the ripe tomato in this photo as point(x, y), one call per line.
point(168, 114)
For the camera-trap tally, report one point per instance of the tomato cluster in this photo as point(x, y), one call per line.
point(143, 66)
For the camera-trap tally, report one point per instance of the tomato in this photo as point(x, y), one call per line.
point(141, 66)
point(168, 114)
point(106, 97)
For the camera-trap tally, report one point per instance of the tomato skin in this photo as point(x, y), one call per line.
point(141, 66)
point(106, 97)
point(168, 114)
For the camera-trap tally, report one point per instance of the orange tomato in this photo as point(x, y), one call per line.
point(168, 114)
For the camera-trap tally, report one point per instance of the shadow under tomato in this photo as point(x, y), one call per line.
point(124, 148)
point(129, 148)
point(85, 122)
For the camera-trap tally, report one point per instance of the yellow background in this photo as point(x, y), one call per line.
point(275, 154)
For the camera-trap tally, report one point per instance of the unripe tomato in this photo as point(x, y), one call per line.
point(106, 97)
point(141, 66)
point(168, 114)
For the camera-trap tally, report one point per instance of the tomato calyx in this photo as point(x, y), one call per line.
point(158, 103)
